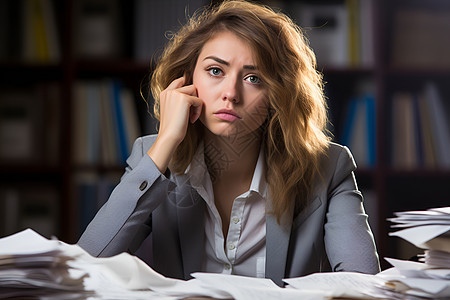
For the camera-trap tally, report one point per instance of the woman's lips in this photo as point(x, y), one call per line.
point(227, 115)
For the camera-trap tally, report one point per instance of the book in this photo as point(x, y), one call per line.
point(109, 148)
point(132, 127)
point(93, 121)
point(358, 143)
point(359, 130)
point(120, 121)
point(327, 28)
point(51, 95)
point(29, 124)
point(418, 132)
point(79, 127)
point(420, 129)
point(51, 31)
point(340, 32)
point(114, 143)
point(371, 129)
point(40, 40)
point(354, 34)
point(439, 123)
point(420, 38)
point(366, 32)
point(41, 51)
point(98, 29)
point(404, 152)
point(105, 122)
point(19, 125)
point(428, 144)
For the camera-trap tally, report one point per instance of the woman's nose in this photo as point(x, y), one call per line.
point(231, 90)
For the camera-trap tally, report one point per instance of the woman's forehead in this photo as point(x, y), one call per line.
point(228, 46)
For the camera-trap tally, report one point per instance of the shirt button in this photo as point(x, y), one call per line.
point(227, 266)
point(143, 185)
point(235, 220)
point(231, 246)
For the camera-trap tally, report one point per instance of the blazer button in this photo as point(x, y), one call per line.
point(143, 185)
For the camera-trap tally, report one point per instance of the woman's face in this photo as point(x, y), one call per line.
point(227, 81)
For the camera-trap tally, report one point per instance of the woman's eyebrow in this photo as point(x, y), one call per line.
point(219, 60)
point(223, 62)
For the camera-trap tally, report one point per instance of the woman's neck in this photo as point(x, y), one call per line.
point(231, 157)
point(231, 162)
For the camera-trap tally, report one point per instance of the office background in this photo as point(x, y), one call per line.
point(74, 76)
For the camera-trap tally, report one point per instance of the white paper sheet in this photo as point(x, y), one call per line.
point(249, 288)
point(418, 270)
point(433, 287)
point(418, 236)
point(125, 273)
point(338, 284)
point(19, 244)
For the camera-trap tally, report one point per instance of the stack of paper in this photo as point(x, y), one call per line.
point(428, 230)
point(430, 279)
point(30, 265)
point(413, 280)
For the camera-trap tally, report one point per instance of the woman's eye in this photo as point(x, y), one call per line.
point(215, 71)
point(253, 79)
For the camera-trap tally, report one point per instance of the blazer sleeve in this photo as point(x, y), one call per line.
point(124, 221)
point(348, 239)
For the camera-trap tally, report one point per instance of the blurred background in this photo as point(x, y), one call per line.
point(74, 96)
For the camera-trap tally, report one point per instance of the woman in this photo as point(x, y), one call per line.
point(241, 178)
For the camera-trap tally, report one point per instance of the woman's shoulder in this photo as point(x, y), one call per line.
point(337, 157)
point(336, 150)
point(333, 146)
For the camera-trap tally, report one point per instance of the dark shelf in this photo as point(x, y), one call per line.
point(347, 71)
point(111, 66)
point(418, 72)
point(100, 168)
point(11, 173)
point(29, 72)
point(415, 173)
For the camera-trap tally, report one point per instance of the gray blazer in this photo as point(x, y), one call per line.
point(331, 234)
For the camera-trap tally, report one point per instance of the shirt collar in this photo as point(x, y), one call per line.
point(201, 180)
point(197, 170)
point(259, 183)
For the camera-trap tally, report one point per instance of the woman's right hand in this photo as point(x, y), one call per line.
point(179, 104)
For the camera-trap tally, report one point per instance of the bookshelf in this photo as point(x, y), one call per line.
point(376, 63)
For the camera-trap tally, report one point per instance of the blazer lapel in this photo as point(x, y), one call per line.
point(277, 244)
point(191, 232)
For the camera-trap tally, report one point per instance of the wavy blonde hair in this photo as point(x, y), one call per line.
point(294, 138)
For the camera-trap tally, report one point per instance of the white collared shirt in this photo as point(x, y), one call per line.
point(244, 251)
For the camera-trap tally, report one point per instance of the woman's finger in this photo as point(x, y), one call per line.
point(177, 83)
point(188, 90)
point(195, 109)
